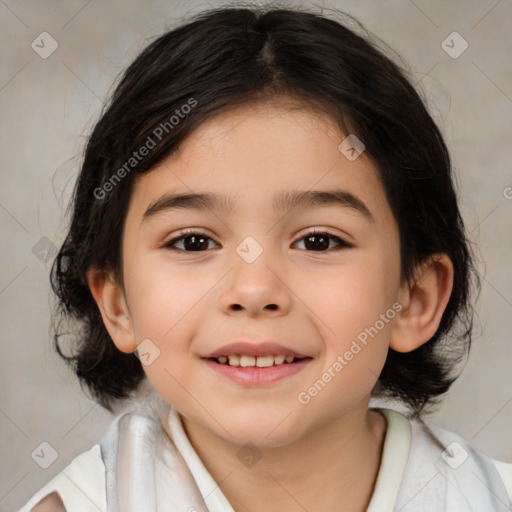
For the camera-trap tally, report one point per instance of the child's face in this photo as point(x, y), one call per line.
point(314, 296)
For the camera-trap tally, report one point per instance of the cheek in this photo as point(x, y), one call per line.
point(165, 306)
point(350, 299)
point(164, 298)
point(353, 307)
point(355, 323)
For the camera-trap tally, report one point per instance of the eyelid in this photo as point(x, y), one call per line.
point(324, 231)
point(341, 240)
point(184, 233)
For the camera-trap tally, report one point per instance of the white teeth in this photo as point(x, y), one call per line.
point(247, 360)
point(263, 361)
point(234, 360)
point(260, 361)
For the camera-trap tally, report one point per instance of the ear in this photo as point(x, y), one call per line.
point(423, 304)
point(111, 302)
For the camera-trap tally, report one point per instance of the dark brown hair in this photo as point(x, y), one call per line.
point(228, 57)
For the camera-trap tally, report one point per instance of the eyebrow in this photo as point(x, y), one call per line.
point(285, 200)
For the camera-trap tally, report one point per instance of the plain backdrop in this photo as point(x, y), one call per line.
point(48, 106)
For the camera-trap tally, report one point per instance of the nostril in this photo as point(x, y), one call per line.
point(238, 307)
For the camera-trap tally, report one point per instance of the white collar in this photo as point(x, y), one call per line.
point(395, 453)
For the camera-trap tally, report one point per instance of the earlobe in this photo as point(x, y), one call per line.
point(423, 304)
point(109, 297)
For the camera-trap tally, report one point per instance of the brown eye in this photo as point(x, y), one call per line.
point(193, 241)
point(320, 241)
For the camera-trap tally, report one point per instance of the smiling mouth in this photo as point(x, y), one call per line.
point(256, 362)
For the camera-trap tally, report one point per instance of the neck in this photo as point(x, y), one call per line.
point(333, 468)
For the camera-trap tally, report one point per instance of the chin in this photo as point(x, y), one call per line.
point(272, 431)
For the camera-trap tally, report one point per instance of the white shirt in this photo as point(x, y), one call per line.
point(82, 484)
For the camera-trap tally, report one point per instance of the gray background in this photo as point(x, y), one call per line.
point(48, 107)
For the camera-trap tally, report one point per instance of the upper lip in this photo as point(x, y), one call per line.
point(243, 348)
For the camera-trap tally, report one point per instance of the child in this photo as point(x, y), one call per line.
point(265, 235)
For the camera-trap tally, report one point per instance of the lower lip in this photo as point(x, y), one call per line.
point(256, 376)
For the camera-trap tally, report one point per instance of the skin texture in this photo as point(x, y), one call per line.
point(50, 503)
point(320, 456)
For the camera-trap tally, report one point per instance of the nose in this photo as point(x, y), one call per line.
point(256, 288)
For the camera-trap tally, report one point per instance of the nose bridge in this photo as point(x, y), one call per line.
point(254, 282)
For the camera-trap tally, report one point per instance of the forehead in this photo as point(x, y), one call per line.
point(253, 154)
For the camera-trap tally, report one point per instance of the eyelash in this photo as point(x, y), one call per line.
point(191, 232)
